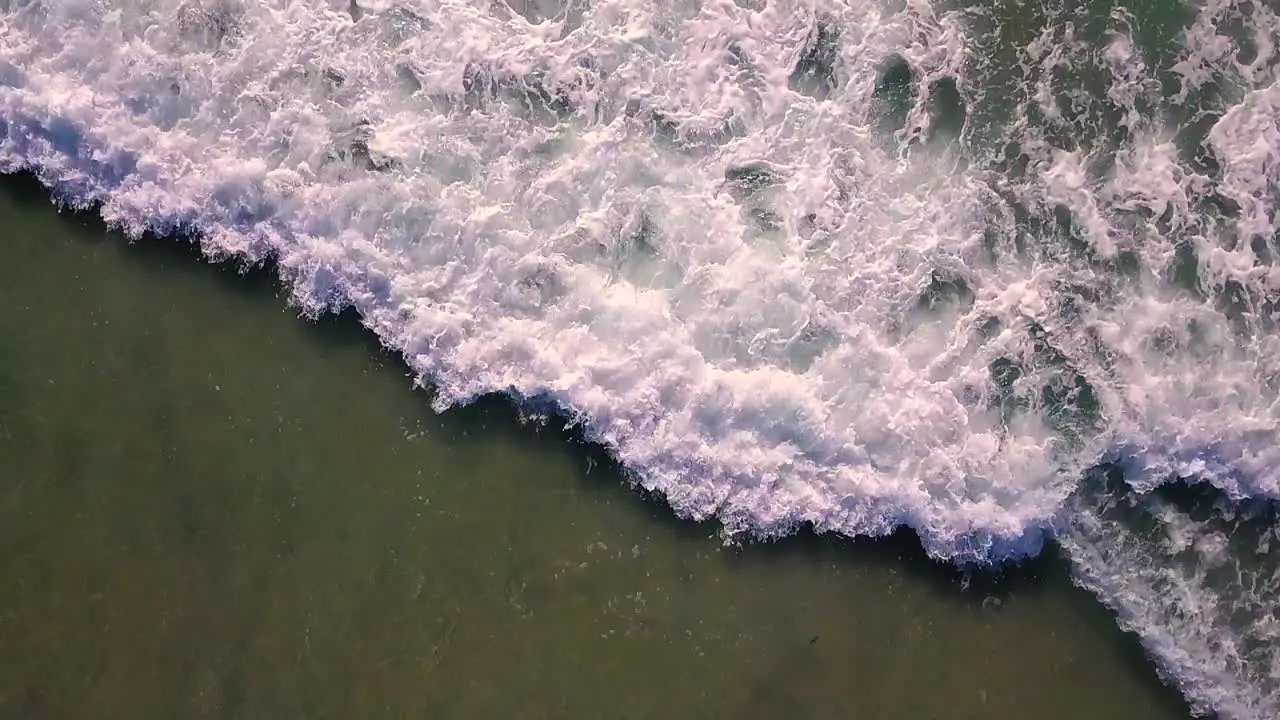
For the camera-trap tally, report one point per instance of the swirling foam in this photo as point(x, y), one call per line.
point(790, 264)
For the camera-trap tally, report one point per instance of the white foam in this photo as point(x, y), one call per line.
point(770, 311)
point(1203, 603)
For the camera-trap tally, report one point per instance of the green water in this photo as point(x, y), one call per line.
point(210, 508)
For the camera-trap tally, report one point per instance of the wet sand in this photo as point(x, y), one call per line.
point(212, 508)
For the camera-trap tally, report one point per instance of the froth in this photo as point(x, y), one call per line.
point(792, 264)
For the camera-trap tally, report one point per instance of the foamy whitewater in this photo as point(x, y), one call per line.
point(995, 273)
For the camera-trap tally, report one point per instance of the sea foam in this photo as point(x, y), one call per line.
point(792, 263)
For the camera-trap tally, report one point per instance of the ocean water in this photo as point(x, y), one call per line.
point(1001, 274)
point(209, 509)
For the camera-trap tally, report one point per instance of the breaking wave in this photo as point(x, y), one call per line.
point(999, 274)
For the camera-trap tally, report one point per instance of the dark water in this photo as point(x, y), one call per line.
point(211, 508)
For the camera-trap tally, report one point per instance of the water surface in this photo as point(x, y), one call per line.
point(209, 508)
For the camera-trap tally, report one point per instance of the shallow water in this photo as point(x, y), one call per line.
point(209, 508)
point(1000, 273)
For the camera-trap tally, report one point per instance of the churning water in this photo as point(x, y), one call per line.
point(1001, 272)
